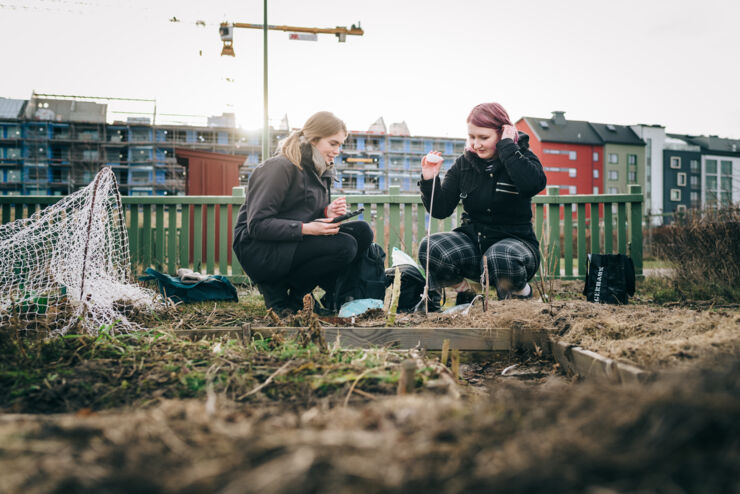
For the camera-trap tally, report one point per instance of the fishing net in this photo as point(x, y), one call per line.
point(68, 265)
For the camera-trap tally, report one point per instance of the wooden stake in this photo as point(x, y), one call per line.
point(445, 351)
point(484, 281)
point(246, 333)
point(456, 363)
point(407, 380)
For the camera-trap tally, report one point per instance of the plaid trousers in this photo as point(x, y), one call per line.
point(453, 257)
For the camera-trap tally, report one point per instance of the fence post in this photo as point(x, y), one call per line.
point(636, 229)
point(553, 217)
point(394, 219)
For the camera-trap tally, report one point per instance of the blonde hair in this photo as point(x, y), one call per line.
point(321, 124)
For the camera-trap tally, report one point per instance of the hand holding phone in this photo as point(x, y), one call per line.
point(346, 216)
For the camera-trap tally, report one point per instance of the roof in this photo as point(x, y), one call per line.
point(568, 131)
point(11, 108)
point(617, 134)
point(712, 144)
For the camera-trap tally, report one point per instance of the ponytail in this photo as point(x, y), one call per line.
point(321, 124)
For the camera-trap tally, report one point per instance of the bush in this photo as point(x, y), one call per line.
point(704, 249)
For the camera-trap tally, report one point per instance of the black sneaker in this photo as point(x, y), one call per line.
point(276, 297)
point(465, 297)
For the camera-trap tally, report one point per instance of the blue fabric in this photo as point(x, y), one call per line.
point(213, 288)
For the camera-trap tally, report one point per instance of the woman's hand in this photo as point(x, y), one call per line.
point(508, 132)
point(430, 170)
point(338, 207)
point(320, 226)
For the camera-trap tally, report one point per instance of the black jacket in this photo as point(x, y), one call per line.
point(496, 194)
point(280, 198)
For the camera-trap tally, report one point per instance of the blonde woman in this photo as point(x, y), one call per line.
point(284, 238)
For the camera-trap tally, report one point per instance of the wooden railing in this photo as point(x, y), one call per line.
point(188, 231)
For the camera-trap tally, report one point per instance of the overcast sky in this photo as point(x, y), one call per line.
point(427, 62)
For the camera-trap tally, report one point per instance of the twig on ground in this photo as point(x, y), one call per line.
point(267, 381)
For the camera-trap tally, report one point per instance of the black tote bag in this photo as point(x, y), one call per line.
point(610, 278)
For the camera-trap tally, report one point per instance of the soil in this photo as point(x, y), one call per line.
point(680, 434)
point(153, 413)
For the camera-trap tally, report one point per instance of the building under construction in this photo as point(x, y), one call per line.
point(53, 145)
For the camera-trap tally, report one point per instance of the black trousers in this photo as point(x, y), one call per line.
point(319, 259)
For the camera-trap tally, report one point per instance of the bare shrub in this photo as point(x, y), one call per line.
point(704, 249)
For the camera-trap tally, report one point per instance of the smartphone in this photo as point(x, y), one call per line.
point(347, 216)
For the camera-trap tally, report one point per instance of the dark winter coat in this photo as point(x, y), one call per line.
point(496, 194)
point(280, 198)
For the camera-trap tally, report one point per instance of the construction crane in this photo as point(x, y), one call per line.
point(227, 34)
point(226, 31)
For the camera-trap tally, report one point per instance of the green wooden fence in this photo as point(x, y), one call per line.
point(167, 233)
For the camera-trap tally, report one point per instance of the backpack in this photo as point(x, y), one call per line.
point(412, 286)
point(610, 278)
point(364, 278)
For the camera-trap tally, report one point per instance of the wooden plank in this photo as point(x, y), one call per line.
point(394, 226)
point(172, 239)
point(493, 339)
point(408, 230)
point(210, 238)
point(185, 236)
point(595, 244)
point(133, 235)
point(622, 227)
point(380, 227)
point(568, 238)
point(553, 234)
point(591, 365)
point(19, 211)
point(608, 229)
point(636, 230)
point(539, 219)
point(6, 213)
point(582, 240)
point(421, 227)
point(159, 250)
point(236, 268)
point(197, 237)
point(223, 240)
point(146, 236)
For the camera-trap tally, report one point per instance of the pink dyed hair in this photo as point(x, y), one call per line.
point(490, 116)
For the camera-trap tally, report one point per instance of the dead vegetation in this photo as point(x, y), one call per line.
point(676, 435)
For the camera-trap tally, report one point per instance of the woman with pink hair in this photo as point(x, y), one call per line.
point(495, 178)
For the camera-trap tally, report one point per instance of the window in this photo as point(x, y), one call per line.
point(694, 181)
point(681, 179)
point(711, 183)
point(675, 194)
point(613, 175)
point(613, 190)
point(596, 189)
point(711, 166)
point(632, 177)
point(572, 172)
point(596, 156)
point(675, 162)
point(13, 176)
point(613, 158)
point(596, 173)
point(694, 165)
point(694, 199)
point(632, 159)
point(681, 208)
point(571, 189)
point(572, 155)
point(726, 167)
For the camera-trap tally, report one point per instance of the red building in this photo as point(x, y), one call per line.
point(570, 151)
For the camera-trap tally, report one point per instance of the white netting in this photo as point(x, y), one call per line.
point(69, 264)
